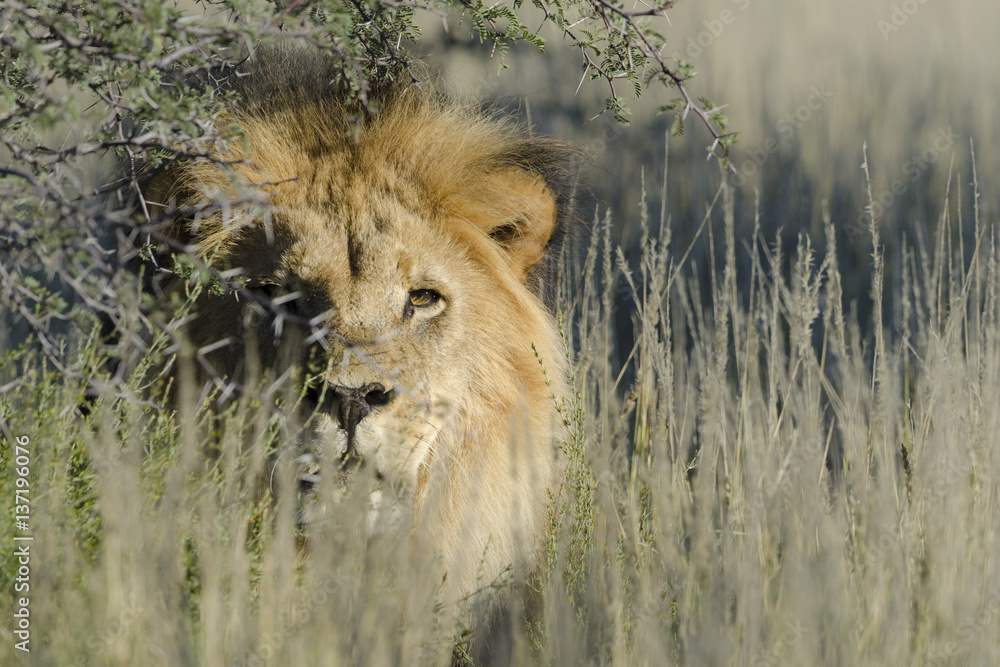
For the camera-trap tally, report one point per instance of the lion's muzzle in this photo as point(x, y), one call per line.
point(351, 405)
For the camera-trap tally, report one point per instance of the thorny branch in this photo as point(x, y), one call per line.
point(630, 25)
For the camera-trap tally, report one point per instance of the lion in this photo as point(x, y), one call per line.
point(409, 240)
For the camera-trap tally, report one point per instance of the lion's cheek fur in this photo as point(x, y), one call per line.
point(485, 506)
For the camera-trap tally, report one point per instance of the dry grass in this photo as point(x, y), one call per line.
point(775, 488)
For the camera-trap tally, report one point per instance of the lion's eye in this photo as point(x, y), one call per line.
point(422, 298)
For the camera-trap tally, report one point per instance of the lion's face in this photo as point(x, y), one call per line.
point(395, 274)
point(392, 299)
point(411, 314)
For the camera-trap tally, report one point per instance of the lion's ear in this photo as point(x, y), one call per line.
point(526, 234)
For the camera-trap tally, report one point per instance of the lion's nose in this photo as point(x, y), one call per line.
point(355, 403)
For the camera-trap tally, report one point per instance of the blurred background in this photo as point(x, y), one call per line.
point(807, 85)
point(812, 509)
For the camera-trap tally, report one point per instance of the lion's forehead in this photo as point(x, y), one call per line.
point(379, 236)
point(360, 215)
point(376, 191)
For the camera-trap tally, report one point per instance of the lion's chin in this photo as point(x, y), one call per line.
point(318, 506)
point(386, 512)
